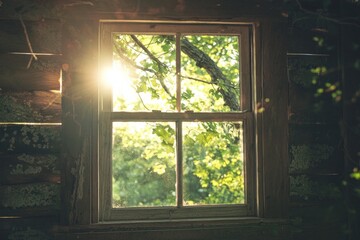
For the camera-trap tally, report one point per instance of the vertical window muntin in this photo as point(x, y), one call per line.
point(178, 117)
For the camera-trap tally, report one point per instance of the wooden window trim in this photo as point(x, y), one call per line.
point(107, 116)
point(78, 169)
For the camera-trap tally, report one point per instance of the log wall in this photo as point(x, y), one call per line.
point(30, 125)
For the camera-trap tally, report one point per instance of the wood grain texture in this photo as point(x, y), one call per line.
point(29, 195)
point(44, 36)
point(28, 80)
point(28, 224)
point(19, 74)
point(29, 168)
point(29, 139)
point(179, 231)
point(30, 106)
point(78, 99)
point(275, 119)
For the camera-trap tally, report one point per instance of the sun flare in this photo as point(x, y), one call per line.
point(118, 78)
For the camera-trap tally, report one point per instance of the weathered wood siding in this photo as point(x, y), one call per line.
point(315, 145)
point(30, 124)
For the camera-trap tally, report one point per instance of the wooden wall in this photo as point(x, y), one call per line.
point(30, 124)
point(30, 118)
point(318, 170)
point(315, 142)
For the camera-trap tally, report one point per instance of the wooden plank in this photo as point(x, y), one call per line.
point(29, 227)
point(35, 106)
point(44, 36)
point(303, 40)
point(29, 80)
point(30, 163)
point(173, 9)
point(79, 106)
point(319, 221)
point(30, 196)
point(8, 179)
point(29, 139)
point(308, 134)
point(315, 188)
point(306, 103)
point(178, 231)
point(129, 9)
point(29, 168)
point(312, 214)
point(41, 74)
point(8, 214)
point(274, 119)
point(315, 159)
point(20, 61)
point(330, 231)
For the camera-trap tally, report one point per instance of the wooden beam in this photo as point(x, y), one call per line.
point(18, 73)
point(31, 107)
point(7, 215)
point(179, 231)
point(79, 104)
point(29, 139)
point(44, 35)
point(28, 80)
point(29, 195)
point(29, 168)
point(275, 119)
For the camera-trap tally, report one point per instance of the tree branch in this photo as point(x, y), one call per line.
point(161, 65)
point(217, 77)
point(128, 61)
point(204, 81)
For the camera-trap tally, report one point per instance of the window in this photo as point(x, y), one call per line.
point(176, 121)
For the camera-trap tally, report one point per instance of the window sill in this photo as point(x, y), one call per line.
point(229, 228)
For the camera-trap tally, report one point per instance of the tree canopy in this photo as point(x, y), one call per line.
point(144, 153)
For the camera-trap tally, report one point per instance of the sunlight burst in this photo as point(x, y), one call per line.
point(118, 78)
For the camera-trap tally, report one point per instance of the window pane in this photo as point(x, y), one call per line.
point(144, 69)
point(210, 73)
point(213, 163)
point(143, 164)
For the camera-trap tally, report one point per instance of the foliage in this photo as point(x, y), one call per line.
point(144, 153)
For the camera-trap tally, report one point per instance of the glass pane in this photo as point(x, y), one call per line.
point(143, 164)
point(210, 73)
point(144, 72)
point(213, 163)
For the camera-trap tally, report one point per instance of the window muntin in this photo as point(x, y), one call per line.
point(180, 115)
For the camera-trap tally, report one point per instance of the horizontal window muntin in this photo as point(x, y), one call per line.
point(173, 116)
